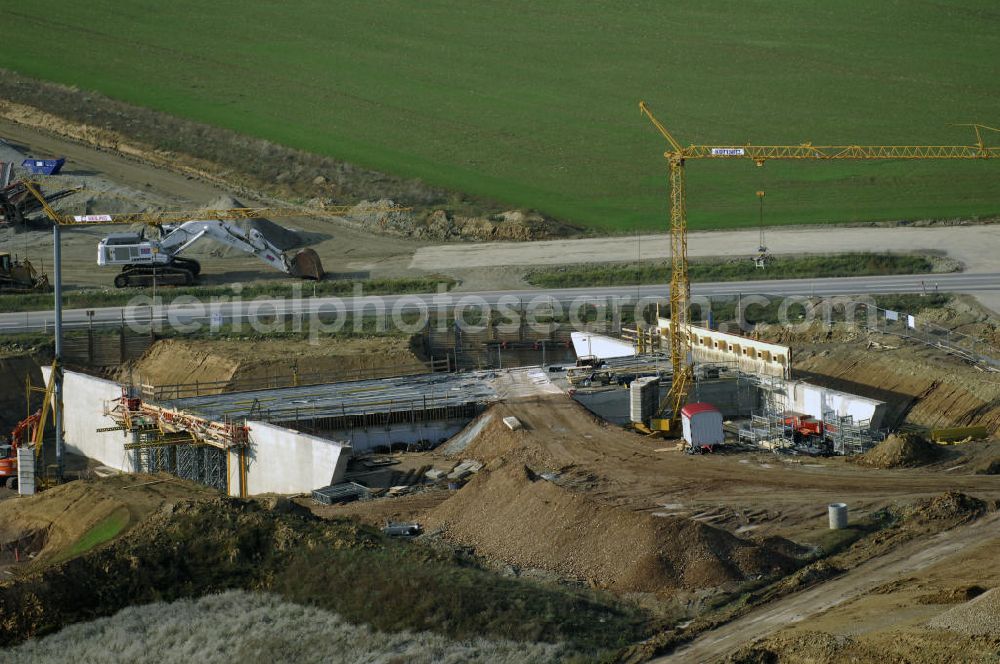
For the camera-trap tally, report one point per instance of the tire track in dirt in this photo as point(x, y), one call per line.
point(908, 558)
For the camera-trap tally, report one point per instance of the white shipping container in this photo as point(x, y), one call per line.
point(702, 424)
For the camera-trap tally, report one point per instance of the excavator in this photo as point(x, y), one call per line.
point(29, 432)
point(144, 260)
point(147, 261)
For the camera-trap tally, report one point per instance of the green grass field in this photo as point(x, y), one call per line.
point(535, 104)
point(796, 267)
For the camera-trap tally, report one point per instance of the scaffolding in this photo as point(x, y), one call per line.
point(181, 456)
point(189, 447)
point(773, 429)
point(848, 436)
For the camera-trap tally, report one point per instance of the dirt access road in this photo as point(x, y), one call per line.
point(128, 184)
point(907, 560)
point(348, 252)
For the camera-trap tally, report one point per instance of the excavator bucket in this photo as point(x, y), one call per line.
point(306, 265)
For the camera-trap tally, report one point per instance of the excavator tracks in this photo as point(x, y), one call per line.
point(181, 272)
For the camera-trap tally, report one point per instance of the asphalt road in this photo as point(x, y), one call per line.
point(141, 313)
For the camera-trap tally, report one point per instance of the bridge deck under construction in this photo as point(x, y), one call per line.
point(385, 399)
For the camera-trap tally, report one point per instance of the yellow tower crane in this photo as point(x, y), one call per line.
point(680, 286)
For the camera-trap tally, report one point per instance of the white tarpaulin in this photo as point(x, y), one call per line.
point(911, 322)
point(600, 346)
point(891, 315)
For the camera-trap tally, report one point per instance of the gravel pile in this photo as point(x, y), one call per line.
point(979, 616)
point(901, 451)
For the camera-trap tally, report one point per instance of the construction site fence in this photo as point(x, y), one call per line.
point(106, 350)
point(495, 345)
point(169, 392)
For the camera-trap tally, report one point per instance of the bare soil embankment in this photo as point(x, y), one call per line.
point(179, 547)
point(920, 388)
point(235, 364)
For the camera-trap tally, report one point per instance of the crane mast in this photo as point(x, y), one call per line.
point(680, 286)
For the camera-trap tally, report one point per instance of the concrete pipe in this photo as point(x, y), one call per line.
point(838, 515)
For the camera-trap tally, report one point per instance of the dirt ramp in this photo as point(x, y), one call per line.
point(511, 515)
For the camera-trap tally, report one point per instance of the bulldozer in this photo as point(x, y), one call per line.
point(20, 276)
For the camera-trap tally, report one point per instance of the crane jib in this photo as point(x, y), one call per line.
point(807, 151)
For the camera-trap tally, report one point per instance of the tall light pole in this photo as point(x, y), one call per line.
point(57, 364)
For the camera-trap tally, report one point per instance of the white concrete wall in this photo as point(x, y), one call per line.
point(747, 354)
point(280, 461)
point(84, 400)
point(287, 461)
point(815, 400)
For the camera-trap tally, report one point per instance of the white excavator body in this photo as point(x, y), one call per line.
point(145, 260)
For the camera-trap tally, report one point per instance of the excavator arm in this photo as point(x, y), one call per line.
point(146, 260)
point(251, 242)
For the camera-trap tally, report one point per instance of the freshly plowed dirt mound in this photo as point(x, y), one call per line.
point(901, 451)
point(950, 506)
point(511, 515)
